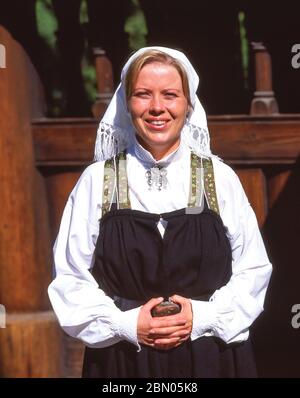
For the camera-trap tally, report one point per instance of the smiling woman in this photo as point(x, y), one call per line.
point(158, 108)
point(160, 265)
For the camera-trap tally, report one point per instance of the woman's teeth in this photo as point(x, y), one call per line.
point(157, 122)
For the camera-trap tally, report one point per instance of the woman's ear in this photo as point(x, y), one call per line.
point(128, 106)
point(188, 112)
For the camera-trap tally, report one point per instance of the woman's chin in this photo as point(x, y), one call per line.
point(161, 138)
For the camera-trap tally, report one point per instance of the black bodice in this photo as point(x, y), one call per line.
point(133, 260)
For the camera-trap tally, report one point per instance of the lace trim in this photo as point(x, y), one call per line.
point(112, 140)
point(197, 138)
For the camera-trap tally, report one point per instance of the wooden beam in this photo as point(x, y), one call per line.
point(64, 141)
point(236, 139)
point(262, 142)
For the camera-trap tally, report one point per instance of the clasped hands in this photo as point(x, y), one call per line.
point(165, 332)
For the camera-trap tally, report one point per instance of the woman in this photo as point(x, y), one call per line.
point(174, 223)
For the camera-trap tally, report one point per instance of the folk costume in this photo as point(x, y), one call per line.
point(135, 228)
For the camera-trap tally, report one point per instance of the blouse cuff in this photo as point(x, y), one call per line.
point(204, 318)
point(127, 325)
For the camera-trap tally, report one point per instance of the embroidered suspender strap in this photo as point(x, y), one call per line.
point(115, 179)
point(209, 185)
point(195, 186)
point(108, 185)
point(199, 165)
point(122, 182)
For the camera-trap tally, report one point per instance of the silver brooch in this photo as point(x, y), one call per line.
point(156, 178)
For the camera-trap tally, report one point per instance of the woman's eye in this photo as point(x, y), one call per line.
point(141, 94)
point(170, 95)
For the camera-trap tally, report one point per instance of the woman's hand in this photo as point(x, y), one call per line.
point(165, 335)
point(165, 332)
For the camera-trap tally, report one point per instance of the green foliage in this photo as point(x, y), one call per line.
point(47, 27)
point(136, 27)
point(244, 47)
point(87, 64)
point(46, 22)
point(89, 78)
point(84, 18)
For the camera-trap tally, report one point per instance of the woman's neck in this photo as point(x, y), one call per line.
point(159, 152)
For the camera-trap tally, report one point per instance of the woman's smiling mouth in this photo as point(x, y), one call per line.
point(156, 124)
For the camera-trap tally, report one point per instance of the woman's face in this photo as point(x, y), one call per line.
point(158, 108)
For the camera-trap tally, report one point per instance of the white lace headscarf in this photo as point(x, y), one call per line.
point(116, 130)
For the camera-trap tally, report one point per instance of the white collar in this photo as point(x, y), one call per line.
point(146, 158)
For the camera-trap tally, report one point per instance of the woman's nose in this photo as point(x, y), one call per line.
point(156, 105)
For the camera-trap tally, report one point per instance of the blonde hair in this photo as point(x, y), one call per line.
point(149, 57)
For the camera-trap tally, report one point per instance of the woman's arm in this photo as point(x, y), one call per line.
point(233, 308)
point(84, 311)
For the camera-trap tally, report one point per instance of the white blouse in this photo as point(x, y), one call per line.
point(84, 311)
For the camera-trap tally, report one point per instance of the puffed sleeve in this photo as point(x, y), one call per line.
point(83, 310)
point(233, 308)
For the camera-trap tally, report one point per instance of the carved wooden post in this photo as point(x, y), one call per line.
point(264, 101)
point(29, 344)
point(105, 83)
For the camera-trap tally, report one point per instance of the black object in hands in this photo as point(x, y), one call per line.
point(167, 307)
